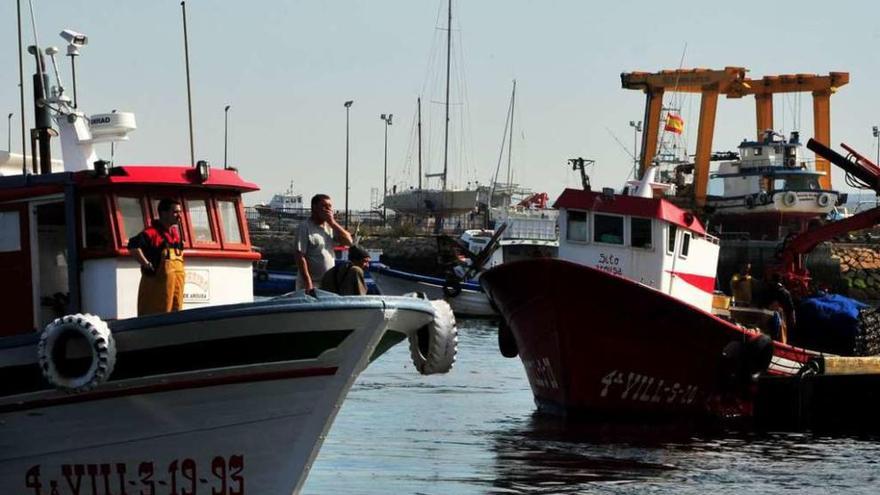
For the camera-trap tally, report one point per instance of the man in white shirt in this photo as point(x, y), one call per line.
point(315, 239)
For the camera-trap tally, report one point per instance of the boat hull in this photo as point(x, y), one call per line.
point(204, 418)
point(593, 343)
point(470, 302)
point(432, 202)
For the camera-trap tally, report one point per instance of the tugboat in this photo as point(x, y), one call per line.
point(770, 190)
point(228, 393)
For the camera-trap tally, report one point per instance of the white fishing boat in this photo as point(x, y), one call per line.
point(226, 396)
point(770, 186)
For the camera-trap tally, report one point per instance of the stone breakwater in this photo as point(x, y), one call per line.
point(416, 254)
point(859, 270)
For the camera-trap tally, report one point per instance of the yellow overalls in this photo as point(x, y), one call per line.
point(163, 292)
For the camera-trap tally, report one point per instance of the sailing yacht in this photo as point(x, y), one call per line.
point(440, 202)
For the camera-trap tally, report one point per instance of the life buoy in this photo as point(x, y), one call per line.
point(823, 200)
point(451, 287)
point(68, 335)
point(750, 202)
point(434, 346)
point(763, 198)
point(790, 198)
point(506, 341)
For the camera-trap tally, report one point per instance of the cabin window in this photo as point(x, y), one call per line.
point(200, 220)
point(229, 221)
point(10, 231)
point(670, 240)
point(685, 244)
point(576, 226)
point(608, 229)
point(640, 232)
point(757, 151)
point(132, 216)
point(95, 223)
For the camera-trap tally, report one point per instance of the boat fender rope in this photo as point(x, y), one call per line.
point(71, 334)
point(434, 346)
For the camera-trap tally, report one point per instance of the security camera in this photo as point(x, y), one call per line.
point(74, 38)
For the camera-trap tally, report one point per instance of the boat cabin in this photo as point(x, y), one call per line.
point(63, 238)
point(771, 176)
point(645, 239)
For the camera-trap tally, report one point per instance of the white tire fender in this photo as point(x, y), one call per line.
point(77, 352)
point(434, 346)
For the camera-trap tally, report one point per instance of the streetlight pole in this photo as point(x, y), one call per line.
point(387, 119)
point(876, 135)
point(225, 134)
point(347, 106)
point(9, 132)
point(637, 128)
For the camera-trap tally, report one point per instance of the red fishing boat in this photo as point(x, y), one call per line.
point(622, 322)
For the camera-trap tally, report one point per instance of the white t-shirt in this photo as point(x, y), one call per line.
point(316, 243)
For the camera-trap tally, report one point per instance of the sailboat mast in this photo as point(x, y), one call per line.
point(510, 141)
point(448, 57)
point(419, 105)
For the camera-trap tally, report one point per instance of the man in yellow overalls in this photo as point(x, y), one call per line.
point(159, 251)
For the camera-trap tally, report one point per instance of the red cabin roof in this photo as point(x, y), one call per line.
point(169, 175)
point(577, 199)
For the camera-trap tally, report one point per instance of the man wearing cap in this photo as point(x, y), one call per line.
point(347, 279)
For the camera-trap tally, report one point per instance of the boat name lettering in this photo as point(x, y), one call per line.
point(541, 372)
point(609, 263)
point(644, 388)
point(221, 476)
point(99, 120)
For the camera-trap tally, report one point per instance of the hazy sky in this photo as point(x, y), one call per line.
point(286, 67)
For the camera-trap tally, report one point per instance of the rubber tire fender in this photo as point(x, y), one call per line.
point(262, 276)
point(52, 349)
point(750, 202)
point(506, 341)
point(790, 199)
point(763, 198)
point(433, 347)
point(823, 200)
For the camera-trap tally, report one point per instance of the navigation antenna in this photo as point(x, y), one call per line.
point(580, 164)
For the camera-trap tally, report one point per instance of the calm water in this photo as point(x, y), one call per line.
point(474, 431)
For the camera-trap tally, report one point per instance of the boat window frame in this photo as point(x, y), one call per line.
point(243, 233)
point(586, 239)
point(650, 245)
point(684, 247)
point(7, 235)
point(207, 197)
point(111, 226)
point(622, 218)
point(671, 235)
point(119, 228)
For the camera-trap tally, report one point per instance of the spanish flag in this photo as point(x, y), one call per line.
point(674, 123)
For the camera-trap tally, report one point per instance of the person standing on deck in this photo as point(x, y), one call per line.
point(741, 286)
point(159, 251)
point(315, 239)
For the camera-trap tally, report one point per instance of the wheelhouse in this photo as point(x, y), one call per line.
point(63, 239)
point(648, 240)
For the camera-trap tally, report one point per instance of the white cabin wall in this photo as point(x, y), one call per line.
point(110, 285)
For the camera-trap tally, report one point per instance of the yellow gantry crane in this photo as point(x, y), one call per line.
point(733, 83)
